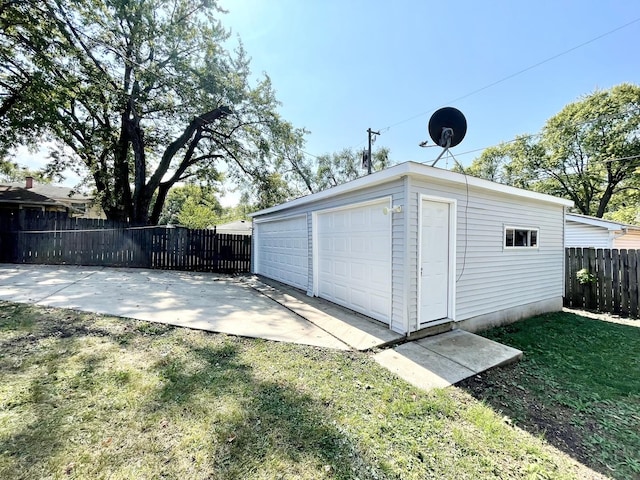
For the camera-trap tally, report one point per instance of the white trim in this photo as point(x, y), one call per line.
point(278, 218)
point(415, 169)
point(314, 253)
point(255, 237)
point(254, 251)
point(451, 290)
point(406, 266)
point(520, 227)
point(315, 249)
point(599, 222)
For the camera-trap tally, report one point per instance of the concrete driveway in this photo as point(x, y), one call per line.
point(251, 307)
point(201, 301)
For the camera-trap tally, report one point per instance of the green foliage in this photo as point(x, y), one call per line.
point(191, 206)
point(341, 167)
point(589, 153)
point(584, 277)
point(195, 206)
point(140, 96)
point(13, 172)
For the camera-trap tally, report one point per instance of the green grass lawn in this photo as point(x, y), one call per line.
point(578, 385)
point(91, 396)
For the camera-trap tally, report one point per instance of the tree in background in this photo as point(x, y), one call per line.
point(195, 206)
point(13, 172)
point(589, 153)
point(337, 168)
point(140, 96)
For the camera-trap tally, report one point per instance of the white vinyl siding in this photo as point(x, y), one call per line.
point(395, 190)
point(490, 278)
point(586, 236)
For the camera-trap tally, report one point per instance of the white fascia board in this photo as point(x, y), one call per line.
point(417, 170)
point(599, 222)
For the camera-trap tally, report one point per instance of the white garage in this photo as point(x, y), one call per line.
point(415, 246)
point(353, 258)
point(282, 250)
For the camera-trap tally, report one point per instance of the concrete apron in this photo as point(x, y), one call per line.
point(251, 307)
point(438, 361)
point(202, 301)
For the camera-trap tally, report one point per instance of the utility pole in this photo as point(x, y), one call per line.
point(369, 159)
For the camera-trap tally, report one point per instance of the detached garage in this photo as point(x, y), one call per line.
point(413, 246)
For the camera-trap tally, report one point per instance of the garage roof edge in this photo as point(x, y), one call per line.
point(418, 170)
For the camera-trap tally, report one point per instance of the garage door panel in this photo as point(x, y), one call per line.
point(282, 251)
point(354, 259)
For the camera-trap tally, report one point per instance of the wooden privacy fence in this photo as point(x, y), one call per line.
point(604, 280)
point(52, 238)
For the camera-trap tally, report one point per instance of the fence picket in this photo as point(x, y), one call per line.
point(54, 238)
point(616, 285)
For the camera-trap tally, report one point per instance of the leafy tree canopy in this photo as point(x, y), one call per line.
point(141, 95)
point(589, 153)
point(194, 206)
point(341, 167)
point(14, 172)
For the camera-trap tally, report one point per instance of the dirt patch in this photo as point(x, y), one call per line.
point(503, 389)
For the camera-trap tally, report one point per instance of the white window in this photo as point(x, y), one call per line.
point(515, 237)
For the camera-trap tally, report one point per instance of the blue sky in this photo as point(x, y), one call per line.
point(340, 67)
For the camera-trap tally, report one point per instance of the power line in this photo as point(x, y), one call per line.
point(519, 72)
point(502, 80)
point(576, 124)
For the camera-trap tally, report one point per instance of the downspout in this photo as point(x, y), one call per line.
point(625, 230)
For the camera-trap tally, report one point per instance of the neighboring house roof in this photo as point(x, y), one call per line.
point(10, 194)
point(239, 227)
point(610, 225)
point(420, 170)
point(54, 191)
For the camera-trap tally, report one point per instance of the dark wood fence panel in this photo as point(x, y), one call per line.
point(610, 280)
point(53, 238)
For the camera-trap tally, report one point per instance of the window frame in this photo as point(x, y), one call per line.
point(529, 230)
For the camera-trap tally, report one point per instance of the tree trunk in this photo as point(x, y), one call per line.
point(604, 200)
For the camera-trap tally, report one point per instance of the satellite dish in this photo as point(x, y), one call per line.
point(447, 127)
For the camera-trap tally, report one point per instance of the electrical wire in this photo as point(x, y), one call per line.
point(466, 216)
point(519, 72)
point(539, 134)
point(503, 79)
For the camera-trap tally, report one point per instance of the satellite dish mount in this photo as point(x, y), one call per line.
point(447, 128)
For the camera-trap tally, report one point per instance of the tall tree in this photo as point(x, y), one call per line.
point(589, 152)
point(141, 95)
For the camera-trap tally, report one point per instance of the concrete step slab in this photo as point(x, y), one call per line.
point(445, 359)
point(421, 367)
point(471, 351)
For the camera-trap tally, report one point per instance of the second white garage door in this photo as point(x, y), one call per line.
point(354, 258)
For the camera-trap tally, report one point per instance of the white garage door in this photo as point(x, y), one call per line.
point(354, 258)
point(282, 250)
